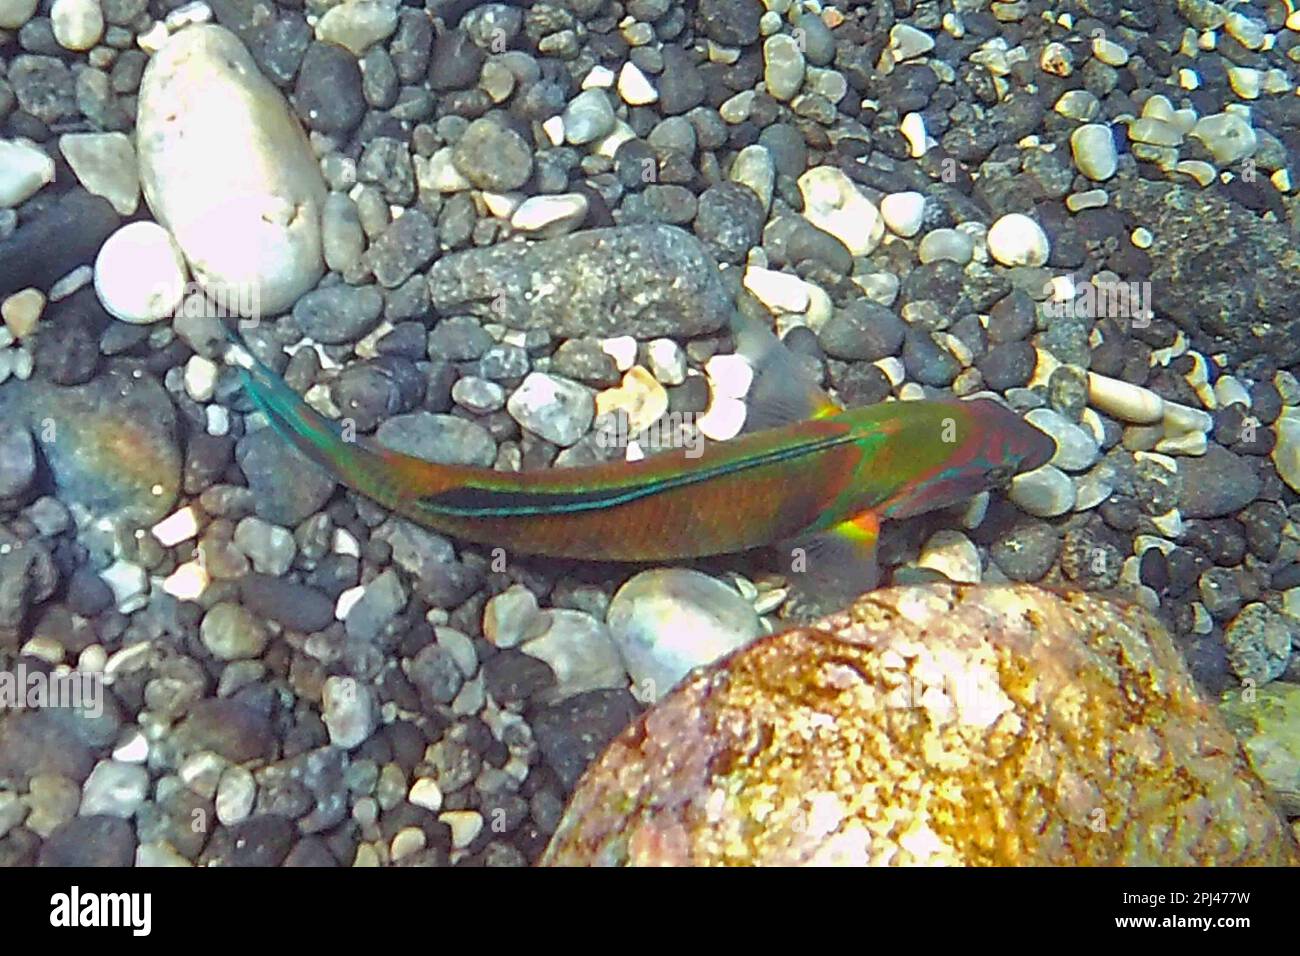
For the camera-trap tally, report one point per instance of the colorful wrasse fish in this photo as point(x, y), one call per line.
point(814, 475)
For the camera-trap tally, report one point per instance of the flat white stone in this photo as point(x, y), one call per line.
point(634, 87)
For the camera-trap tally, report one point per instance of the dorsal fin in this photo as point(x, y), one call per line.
point(782, 392)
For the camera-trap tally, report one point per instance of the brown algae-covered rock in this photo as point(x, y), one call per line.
point(933, 725)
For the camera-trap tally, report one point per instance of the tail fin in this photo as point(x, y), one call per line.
point(351, 459)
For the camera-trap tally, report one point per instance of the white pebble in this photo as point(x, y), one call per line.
point(24, 169)
point(200, 378)
point(1016, 240)
point(1093, 148)
point(903, 213)
point(1044, 492)
point(779, 291)
point(550, 215)
point(953, 555)
point(723, 420)
point(177, 527)
point(140, 273)
point(907, 42)
point(1125, 401)
point(913, 129)
point(834, 205)
point(634, 87)
point(729, 375)
point(77, 24)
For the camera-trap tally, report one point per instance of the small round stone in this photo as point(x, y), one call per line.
point(903, 213)
point(1093, 148)
point(77, 24)
point(1016, 240)
point(783, 66)
point(140, 273)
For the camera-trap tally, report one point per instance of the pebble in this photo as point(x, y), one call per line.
point(557, 410)
point(105, 164)
point(903, 213)
point(17, 459)
point(140, 274)
point(358, 24)
point(14, 13)
point(1286, 450)
point(550, 215)
point(265, 458)
point(779, 291)
point(1093, 148)
point(269, 547)
point(753, 168)
point(232, 632)
point(494, 157)
point(643, 280)
point(634, 88)
point(114, 789)
point(255, 224)
point(906, 42)
point(77, 24)
point(55, 240)
point(348, 711)
point(512, 617)
point(1258, 640)
point(1044, 492)
point(24, 169)
point(578, 648)
point(666, 622)
point(588, 117)
point(447, 439)
point(329, 91)
point(21, 311)
point(1124, 400)
point(1228, 137)
point(951, 245)
point(236, 793)
point(1216, 484)
point(783, 66)
point(1016, 240)
point(1076, 448)
point(339, 314)
point(953, 555)
point(833, 204)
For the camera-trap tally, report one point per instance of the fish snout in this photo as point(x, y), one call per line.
point(1037, 447)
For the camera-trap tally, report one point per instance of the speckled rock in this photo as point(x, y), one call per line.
point(1267, 721)
point(630, 280)
point(850, 743)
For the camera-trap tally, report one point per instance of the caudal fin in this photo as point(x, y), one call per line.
point(348, 457)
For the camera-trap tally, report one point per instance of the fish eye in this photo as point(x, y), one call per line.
point(999, 474)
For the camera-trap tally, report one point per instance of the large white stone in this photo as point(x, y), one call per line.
point(227, 169)
point(14, 13)
point(833, 204)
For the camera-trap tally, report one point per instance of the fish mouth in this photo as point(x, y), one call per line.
point(1039, 447)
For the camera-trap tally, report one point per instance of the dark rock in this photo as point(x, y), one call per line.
point(95, 841)
point(328, 94)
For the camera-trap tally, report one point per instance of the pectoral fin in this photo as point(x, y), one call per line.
point(782, 392)
point(831, 568)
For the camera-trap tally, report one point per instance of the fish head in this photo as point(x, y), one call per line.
point(983, 445)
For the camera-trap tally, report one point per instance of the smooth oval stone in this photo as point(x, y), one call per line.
point(226, 168)
point(667, 621)
point(936, 725)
